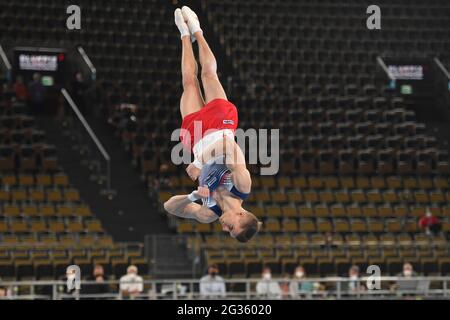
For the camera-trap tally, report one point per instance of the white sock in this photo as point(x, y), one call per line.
point(192, 20)
point(181, 24)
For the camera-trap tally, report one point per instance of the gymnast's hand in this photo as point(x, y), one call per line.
point(193, 172)
point(202, 192)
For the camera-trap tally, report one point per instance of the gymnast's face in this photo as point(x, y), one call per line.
point(231, 222)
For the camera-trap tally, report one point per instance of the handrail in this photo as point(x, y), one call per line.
point(91, 134)
point(385, 68)
point(5, 59)
point(88, 62)
point(161, 288)
point(442, 67)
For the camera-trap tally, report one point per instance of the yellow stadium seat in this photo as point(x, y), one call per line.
point(278, 197)
point(285, 182)
point(54, 195)
point(347, 182)
point(11, 210)
point(358, 196)
point(83, 211)
point(5, 195)
point(56, 226)
point(94, 225)
point(19, 227)
point(326, 196)
point(331, 183)
point(441, 183)
point(30, 210)
point(394, 182)
point(272, 225)
point(75, 227)
point(289, 225)
point(307, 225)
point(324, 226)
point(321, 211)
point(164, 196)
point(358, 225)
point(374, 196)
point(338, 210)
point(315, 182)
point(64, 211)
point(305, 211)
point(390, 196)
point(369, 211)
point(342, 196)
point(43, 180)
point(71, 195)
point(38, 226)
point(437, 197)
point(19, 195)
point(354, 211)
point(289, 211)
point(203, 227)
point(300, 183)
point(393, 226)
point(410, 183)
point(268, 182)
point(185, 227)
point(377, 183)
point(375, 226)
point(362, 183)
point(61, 180)
point(9, 180)
point(47, 210)
point(26, 180)
point(310, 196)
point(295, 196)
point(425, 183)
point(37, 195)
point(273, 211)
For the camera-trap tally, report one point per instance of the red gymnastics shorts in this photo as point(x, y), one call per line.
point(217, 115)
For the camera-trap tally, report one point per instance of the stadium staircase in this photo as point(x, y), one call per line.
point(131, 214)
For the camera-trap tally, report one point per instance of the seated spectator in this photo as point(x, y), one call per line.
point(3, 293)
point(212, 285)
point(408, 286)
point(298, 287)
point(430, 224)
point(354, 285)
point(20, 89)
point(268, 288)
point(99, 287)
point(131, 284)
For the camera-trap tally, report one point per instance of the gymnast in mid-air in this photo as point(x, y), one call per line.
point(208, 128)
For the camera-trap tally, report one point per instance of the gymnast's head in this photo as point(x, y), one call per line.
point(241, 224)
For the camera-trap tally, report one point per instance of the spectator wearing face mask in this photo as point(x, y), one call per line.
point(131, 284)
point(408, 285)
point(430, 224)
point(354, 285)
point(212, 285)
point(300, 287)
point(268, 288)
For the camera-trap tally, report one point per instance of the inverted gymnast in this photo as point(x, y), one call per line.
point(219, 163)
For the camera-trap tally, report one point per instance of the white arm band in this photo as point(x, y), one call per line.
point(197, 164)
point(193, 196)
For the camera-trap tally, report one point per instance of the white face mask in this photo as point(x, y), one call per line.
point(407, 273)
point(267, 276)
point(299, 274)
point(353, 277)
